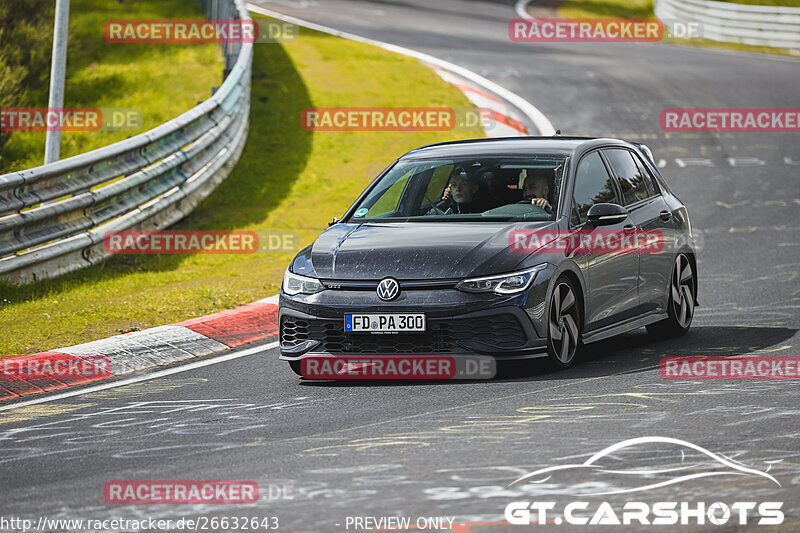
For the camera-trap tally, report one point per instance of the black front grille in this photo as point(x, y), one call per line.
point(501, 331)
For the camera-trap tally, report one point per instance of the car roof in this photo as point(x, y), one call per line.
point(511, 146)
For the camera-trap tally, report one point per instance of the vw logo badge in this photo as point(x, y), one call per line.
point(388, 289)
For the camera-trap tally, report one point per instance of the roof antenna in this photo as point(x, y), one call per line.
point(558, 133)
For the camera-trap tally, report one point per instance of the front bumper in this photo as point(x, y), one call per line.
point(457, 324)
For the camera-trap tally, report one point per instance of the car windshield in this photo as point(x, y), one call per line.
point(486, 189)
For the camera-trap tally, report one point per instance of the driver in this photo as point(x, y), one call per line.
point(536, 188)
point(463, 197)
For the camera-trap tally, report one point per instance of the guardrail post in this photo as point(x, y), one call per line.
point(58, 66)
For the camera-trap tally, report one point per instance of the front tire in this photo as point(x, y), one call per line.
point(680, 308)
point(563, 324)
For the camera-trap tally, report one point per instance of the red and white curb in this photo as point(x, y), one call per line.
point(499, 119)
point(122, 354)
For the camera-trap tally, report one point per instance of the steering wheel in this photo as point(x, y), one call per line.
point(438, 211)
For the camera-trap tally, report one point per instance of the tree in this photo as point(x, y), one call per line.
point(26, 40)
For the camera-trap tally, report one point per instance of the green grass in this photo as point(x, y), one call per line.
point(161, 80)
point(642, 9)
point(630, 9)
point(287, 179)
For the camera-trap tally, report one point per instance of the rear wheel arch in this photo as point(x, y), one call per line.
point(693, 261)
point(688, 252)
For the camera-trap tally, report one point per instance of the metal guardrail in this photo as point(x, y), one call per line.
point(53, 217)
point(777, 27)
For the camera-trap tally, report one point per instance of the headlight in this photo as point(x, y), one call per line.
point(502, 284)
point(294, 284)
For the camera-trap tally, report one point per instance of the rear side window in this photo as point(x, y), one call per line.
point(634, 183)
point(593, 185)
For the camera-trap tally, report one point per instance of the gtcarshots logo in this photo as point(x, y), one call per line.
point(695, 463)
point(635, 512)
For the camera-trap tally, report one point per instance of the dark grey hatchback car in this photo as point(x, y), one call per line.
point(514, 248)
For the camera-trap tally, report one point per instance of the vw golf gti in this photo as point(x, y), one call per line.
point(450, 251)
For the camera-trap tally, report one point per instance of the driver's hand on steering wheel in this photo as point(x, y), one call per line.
point(541, 202)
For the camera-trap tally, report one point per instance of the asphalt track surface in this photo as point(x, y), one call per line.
point(451, 449)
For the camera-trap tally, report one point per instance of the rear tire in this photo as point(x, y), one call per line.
point(680, 307)
point(564, 319)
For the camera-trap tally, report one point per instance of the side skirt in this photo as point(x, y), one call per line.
point(616, 329)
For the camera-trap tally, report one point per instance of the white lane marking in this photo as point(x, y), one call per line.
point(538, 118)
point(522, 9)
point(270, 300)
point(137, 379)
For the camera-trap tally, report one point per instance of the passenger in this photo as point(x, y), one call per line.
point(462, 196)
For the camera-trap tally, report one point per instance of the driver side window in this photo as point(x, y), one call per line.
point(593, 185)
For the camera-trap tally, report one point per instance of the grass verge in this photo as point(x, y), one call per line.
point(642, 9)
point(161, 80)
point(287, 179)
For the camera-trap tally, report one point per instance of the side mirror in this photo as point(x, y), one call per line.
point(606, 214)
point(334, 221)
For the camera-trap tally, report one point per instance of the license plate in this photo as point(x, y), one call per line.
point(384, 323)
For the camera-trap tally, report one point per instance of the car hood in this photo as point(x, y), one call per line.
point(416, 250)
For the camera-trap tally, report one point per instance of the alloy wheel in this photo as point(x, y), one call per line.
point(563, 324)
point(682, 291)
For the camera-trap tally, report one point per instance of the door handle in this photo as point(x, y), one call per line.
point(665, 215)
point(628, 228)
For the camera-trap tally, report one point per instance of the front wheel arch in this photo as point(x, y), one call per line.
point(564, 320)
point(579, 293)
